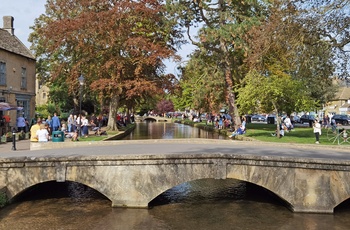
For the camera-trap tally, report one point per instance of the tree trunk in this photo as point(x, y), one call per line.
point(113, 110)
point(278, 122)
point(230, 95)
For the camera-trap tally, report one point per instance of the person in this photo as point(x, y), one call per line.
point(34, 129)
point(33, 121)
point(288, 123)
point(21, 124)
point(239, 131)
point(55, 122)
point(75, 125)
point(70, 122)
point(244, 122)
point(84, 126)
point(42, 134)
point(49, 124)
point(333, 125)
point(64, 128)
point(317, 130)
point(282, 128)
point(325, 122)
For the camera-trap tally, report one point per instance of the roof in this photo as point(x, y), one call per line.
point(12, 44)
point(343, 93)
point(345, 106)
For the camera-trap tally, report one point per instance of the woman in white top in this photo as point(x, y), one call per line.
point(317, 131)
point(42, 133)
point(85, 126)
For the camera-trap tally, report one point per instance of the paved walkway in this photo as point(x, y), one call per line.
point(180, 147)
point(22, 145)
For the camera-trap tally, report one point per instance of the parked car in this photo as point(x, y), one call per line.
point(258, 118)
point(307, 118)
point(296, 119)
point(341, 119)
point(271, 119)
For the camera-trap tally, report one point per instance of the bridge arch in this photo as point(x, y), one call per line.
point(154, 118)
point(11, 194)
point(149, 119)
point(135, 180)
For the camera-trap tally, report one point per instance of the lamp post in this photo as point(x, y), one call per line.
point(81, 82)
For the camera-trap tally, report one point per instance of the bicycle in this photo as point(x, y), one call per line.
point(338, 134)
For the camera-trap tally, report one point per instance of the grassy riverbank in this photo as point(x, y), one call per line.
point(110, 134)
point(262, 132)
point(255, 132)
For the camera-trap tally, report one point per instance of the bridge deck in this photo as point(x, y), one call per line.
point(177, 146)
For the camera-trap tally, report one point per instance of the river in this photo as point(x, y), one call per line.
point(202, 204)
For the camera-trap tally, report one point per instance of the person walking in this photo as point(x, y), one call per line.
point(21, 124)
point(317, 130)
point(55, 122)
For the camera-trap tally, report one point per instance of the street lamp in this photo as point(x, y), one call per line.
point(81, 82)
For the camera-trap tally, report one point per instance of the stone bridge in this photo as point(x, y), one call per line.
point(153, 118)
point(132, 175)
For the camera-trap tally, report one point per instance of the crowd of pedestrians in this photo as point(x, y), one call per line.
point(41, 129)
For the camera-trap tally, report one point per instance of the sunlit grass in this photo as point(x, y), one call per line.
point(299, 135)
point(99, 138)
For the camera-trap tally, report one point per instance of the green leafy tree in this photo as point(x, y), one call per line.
point(275, 91)
point(223, 26)
point(286, 42)
point(202, 84)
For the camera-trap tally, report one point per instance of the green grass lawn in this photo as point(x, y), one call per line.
point(301, 135)
point(98, 138)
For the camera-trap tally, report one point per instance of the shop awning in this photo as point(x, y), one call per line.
point(4, 106)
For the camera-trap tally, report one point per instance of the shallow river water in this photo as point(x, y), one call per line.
point(202, 204)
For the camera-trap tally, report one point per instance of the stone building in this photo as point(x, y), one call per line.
point(341, 102)
point(17, 75)
point(42, 93)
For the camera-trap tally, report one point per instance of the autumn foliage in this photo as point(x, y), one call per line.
point(118, 46)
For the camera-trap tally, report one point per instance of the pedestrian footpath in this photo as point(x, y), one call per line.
point(22, 145)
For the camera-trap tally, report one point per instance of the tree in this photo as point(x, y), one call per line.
point(275, 91)
point(164, 106)
point(117, 45)
point(329, 19)
point(224, 24)
point(202, 84)
point(286, 42)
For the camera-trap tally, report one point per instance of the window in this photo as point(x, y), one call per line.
point(2, 73)
point(24, 78)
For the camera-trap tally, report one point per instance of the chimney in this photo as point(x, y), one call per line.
point(8, 24)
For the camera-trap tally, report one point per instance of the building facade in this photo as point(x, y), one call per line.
point(341, 102)
point(17, 75)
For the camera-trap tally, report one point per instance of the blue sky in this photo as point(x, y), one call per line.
point(26, 11)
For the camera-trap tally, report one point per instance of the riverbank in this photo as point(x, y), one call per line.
point(263, 132)
point(211, 128)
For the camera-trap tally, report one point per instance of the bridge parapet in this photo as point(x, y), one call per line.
point(134, 180)
point(153, 118)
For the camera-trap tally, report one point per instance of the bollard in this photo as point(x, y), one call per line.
point(13, 139)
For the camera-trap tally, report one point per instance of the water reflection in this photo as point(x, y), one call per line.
point(201, 204)
point(167, 130)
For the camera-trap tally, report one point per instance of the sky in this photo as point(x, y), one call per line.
point(26, 11)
